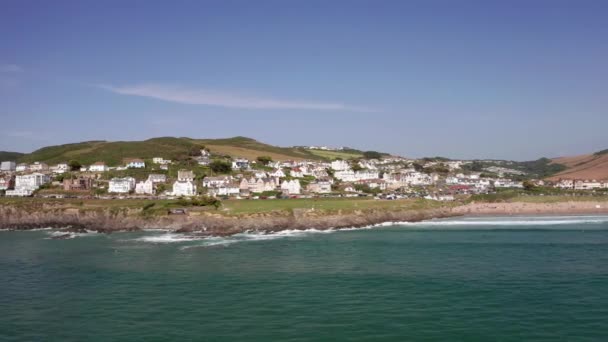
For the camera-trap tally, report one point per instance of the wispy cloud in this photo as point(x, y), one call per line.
point(10, 68)
point(185, 95)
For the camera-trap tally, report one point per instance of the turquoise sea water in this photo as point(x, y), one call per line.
point(476, 279)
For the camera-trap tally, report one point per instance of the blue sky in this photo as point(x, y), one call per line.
point(463, 79)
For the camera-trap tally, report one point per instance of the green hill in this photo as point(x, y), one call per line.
point(9, 156)
point(113, 152)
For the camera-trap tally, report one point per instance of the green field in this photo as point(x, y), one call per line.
point(331, 155)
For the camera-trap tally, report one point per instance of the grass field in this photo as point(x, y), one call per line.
point(331, 155)
point(230, 207)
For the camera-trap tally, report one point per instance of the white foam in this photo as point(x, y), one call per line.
point(168, 238)
point(70, 235)
point(512, 221)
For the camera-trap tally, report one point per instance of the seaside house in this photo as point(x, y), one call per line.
point(319, 187)
point(214, 182)
point(135, 163)
point(161, 161)
point(98, 167)
point(145, 187)
point(122, 185)
point(340, 165)
point(185, 176)
point(39, 166)
point(240, 163)
point(291, 187)
point(184, 188)
point(277, 173)
point(157, 178)
point(77, 184)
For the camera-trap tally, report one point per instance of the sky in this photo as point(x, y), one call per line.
point(462, 79)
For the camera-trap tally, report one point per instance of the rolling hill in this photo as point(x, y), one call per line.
point(10, 156)
point(113, 152)
point(586, 166)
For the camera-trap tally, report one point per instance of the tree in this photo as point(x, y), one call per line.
point(219, 166)
point(264, 159)
point(195, 151)
point(74, 165)
point(372, 155)
point(528, 185)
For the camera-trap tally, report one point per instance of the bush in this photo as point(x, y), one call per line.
point(219, 166)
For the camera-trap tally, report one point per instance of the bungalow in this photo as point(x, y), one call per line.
point(319, 187)
point(98, 167)
point(291, 187)
point(184, 188)
point(19, 193)
point(161, 161)
point(135, 163)
point(121, 185)
point(145, 187)
point(587, 185)
point(507, 183)
point(205, 160)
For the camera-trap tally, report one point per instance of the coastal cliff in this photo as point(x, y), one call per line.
point(209, 222)
point(214, 222)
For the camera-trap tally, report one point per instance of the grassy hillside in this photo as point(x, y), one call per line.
point(167, 147)
point(331, 155)
point(9, 156)
point(587, 166)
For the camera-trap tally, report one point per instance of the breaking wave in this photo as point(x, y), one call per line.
point(511, 221)
point(58, 234)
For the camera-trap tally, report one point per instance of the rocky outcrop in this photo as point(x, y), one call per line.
point(208, 223)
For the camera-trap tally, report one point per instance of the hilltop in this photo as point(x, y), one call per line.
point(586, 166)
point(10, 156)
point(113, 152)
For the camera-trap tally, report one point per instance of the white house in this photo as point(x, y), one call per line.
point(340, 165)
point(22, 167)
point(161, 161)
point(230, 189)
point(184, 188)
point(213, 182)
point(291, 187)
point(145, 187)
point(135, 164)
point(8, 166)
point(185, 176)
point(277, 173)
point(19, 193)
point(319, 187)
point(507, 183)
point(38, 166)
point(31, 182)
point(61, 168)
point(157, 178)
point(121, 185)
point(587, 185)
point(345, 175)
point(240, 163)
point(98, 167)
point(296, 172)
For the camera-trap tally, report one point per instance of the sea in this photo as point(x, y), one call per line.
point(542, 278)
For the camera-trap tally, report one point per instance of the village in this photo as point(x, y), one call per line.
point(204, 174)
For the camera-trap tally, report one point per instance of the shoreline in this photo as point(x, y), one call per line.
point(217, 224)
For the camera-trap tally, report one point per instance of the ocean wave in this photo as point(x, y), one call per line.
point(70, 235)
point(512, 221)
point(168, 238)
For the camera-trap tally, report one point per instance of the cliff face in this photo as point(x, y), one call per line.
point(211, 223)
